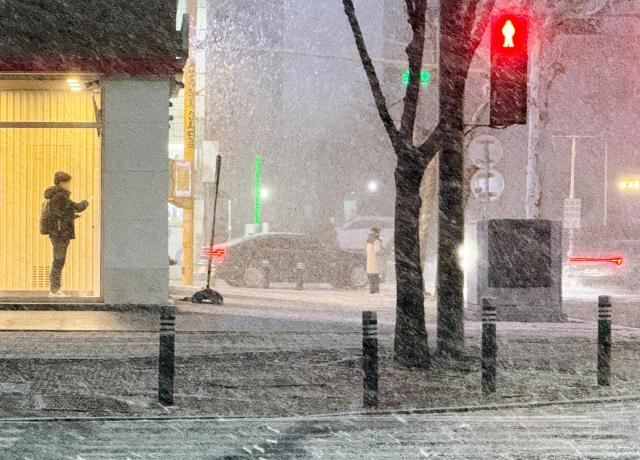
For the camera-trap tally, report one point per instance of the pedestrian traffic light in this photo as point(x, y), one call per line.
point(509, 65)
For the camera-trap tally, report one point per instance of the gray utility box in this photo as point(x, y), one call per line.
point(520, 268)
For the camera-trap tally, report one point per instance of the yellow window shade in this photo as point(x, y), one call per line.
point(29, 157)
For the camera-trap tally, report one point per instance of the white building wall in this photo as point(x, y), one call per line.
point(135, 191)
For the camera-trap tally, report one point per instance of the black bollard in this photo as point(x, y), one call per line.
point(370, 358)
point(299, 275)
point(604, 341)
point(166, 358)
point(489, 346)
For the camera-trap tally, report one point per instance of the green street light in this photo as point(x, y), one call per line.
point(425, 77)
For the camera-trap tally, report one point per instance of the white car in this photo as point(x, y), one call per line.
point(352, 235)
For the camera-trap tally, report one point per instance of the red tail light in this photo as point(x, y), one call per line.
point(616, 260)
point(216, 253)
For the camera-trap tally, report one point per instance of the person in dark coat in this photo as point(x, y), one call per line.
point(60, 226)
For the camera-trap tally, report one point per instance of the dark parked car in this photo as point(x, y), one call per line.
point(256, 260)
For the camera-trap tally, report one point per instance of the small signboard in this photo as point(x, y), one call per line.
point(181, 179)
point(572, 213)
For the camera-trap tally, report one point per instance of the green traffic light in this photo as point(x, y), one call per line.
point(425, 77)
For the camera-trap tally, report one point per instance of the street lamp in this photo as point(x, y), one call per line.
point(265, 194)
point(373, 186)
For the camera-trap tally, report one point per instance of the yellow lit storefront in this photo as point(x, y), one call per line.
point(47, 126)
point(87, 91)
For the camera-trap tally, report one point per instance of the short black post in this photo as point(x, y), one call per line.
point(299, 275)
point(370, 358)
point(489, 346)
point(604, 341)
point(166, 359)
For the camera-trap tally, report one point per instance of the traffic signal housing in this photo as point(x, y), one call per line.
point(509, 69)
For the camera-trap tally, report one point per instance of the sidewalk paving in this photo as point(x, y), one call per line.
point(283, 374)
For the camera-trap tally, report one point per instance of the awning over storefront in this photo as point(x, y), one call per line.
point(132, 37)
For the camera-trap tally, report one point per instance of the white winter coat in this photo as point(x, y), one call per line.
point(374, 255)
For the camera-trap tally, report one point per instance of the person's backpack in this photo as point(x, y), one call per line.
point(47, 221)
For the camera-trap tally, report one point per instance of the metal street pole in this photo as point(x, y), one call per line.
point(605, 214)
point(229, 226)
point(487, 165)
point(572, 191)
point(572, 186)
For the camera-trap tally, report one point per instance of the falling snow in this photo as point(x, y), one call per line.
point(464, 171)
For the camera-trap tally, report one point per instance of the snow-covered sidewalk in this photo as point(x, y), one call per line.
point(287, 373)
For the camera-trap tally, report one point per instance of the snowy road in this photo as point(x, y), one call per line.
point(315, 309)
point(599, 431)
point(318, 309)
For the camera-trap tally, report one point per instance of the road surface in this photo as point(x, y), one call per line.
point(607, 431)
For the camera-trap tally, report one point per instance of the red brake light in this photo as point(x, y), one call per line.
point(616, 260)
point(216, 253)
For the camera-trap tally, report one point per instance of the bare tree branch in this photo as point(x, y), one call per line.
point(430, 147)
point(480, 26)
point(374, 82)
point(415, 52)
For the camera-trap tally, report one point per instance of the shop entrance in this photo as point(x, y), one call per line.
point(47, 126)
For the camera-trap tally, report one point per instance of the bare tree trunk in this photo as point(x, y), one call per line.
point(450, 278)
point(455, 60)
point(410, 346)
point(429, 222)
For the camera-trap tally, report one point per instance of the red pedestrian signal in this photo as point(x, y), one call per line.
point(509, 30)
point(509, 69)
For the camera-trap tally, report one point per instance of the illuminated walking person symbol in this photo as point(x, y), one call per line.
point(509, 32)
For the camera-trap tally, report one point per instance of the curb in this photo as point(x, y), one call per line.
point(316, 417)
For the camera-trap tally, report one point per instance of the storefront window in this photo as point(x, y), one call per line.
point(42, 131)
